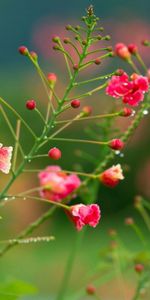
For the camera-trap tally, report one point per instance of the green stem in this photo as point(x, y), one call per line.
point(18, 116)
point(16, 145)
point(94, 79)
point(139, 58)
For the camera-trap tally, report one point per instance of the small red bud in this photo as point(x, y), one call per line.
point(119, 72)
point(129, 221)
point(112, 232)
point(116, 144)
point(126, 112)
point(34, 55)
point(75, 67)
point(52, 78)
point(122, 51)
point(66, 40)
point(87, 110)
point(97, 61)
point(23, 50)
point(54, 153)
point(139, 268)
point(75, 103)
point(90, 289)
point(31, 104)
point(133, 49)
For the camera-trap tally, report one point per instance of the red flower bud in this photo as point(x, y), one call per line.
point(34, 55)
point(52, 78)
point(75, 67)
point(116, 144)
point(90, 289)
point(119, 72)
point(129, 221)
point(54, 153)
point(97, 61)
point(133, 49)
point(122, 51)
point(126, 112)
point(138, 268)
point(66, 40)
point(23, 50)
point(31, 104)
point(75, 103)
point(87, 110)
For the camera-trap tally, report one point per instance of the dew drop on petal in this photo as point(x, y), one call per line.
point(117, 152)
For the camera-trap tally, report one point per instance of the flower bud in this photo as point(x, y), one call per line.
point(56, 39)
point(139, 268)
point(112, 232)
point(126, 112)
point(68, 27)
point(31, 104)
point(90, 289)
point(129, 221)
point(75, 103)
point(119, 72)
point(76, 67)
point(54, 153)
point(97, 61)
point(87, 110)
point(84, 42)
point(107, 38)
point(112, 176)
point(52, 78)
point(23, 50)
point(116, 144)
point(66, 40)
point(55, 47)
point(145, 43)
point(122, 51)
point(133, 49)
point(34, 55)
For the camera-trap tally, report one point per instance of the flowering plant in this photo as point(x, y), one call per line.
point(71, 190)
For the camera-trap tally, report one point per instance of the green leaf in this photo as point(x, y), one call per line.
point(15, 289)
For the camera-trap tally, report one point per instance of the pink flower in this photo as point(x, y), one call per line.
point(5, 158)
point(131, 91)
point(83, 215)
point(56, 184)
point(122, 51)
point(112, 176)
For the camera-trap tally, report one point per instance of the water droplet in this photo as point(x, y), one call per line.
point(117, 152)
point(106, 77)
point(45, 137)
point(29, 160)
point(13, 198)
point(24, 198)
point(6, 198)
point(52, 126)
point(121, 154)
point(145, 112)
point(133, 113)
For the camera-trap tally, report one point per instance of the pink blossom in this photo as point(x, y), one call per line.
point(56, 184)
point(5, 158)
point(83, 215)
point(131, 91)
point(112, 176)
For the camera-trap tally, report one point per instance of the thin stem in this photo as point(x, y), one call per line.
point(66, 56)
point(18, 116)
point(66, 171)
point(134, 67)
point(90, 93)
point(139, 58)
point(75, 48)
point(94, 79)
point(138, 233)
point(93, 60)
point(92, 117)
point(12, 130)
point(49, 107)
point(98, 50)
point(18, 126)
point(145, 215)
point(40, 115)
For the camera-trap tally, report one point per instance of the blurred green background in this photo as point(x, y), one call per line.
point(33, 23)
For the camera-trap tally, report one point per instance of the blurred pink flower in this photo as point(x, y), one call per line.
point(83, 215)
point(56, 184)
point(5, 158)
point(132, 91)
point(112, 176)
